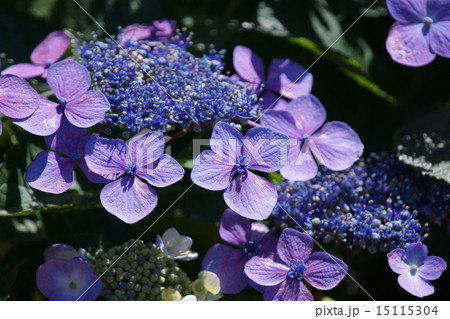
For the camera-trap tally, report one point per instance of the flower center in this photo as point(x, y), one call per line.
point(73, 285)
point(47, 64)
point(62, 101)
point(266, 85)
point(413, 270)
point(75, 156)
point(297, 269)
point(251, 248)
point(240, 167)
point(428, 20)
point(131, 168)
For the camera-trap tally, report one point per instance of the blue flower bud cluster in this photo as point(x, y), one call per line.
point(160, 85)
point(142, 273)
point(375, 204)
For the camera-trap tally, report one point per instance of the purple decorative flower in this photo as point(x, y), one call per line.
point(335, 145)
point(227, 167)
point(160, 30)
point(17, 98)
point(131, 166)
point(281, 78)
point(82, 107)
point(416, 269)
point(51, 171)
point(249, 239)
point(43, 56)
point(70, 280)
point(283, 272)
point(421, 32)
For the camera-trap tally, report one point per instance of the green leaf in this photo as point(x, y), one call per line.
point(425, 144)
point(8, 273)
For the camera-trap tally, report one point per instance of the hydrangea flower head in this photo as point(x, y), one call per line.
point(52, 171)
point(421, 32)
point(132, 167)
point(50, 50)
point(284, 272)
point(227, 167)
point(161, 86)
point(247, 240)
point(175, 246)
point(70, 82)
point(18, 99)
point(333, 144)
point(416, 269)
point(281, 79)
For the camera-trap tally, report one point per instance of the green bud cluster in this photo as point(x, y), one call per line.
point(142, 273)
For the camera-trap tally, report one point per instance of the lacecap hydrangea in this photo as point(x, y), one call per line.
point(159, 85)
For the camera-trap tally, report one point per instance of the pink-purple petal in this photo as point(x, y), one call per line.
point(288, 290)
point(293, 244)
point(90, 175)
point(432, 268)
point(267, 149)
point(308, 113)
point(251, 196)
point(129, 199)
point(25, 70)
point(407, 11)
point(226, 141)
point(228, 264)
point(273, 101)
point(415, 285)
point(324, 271)
point(163, 172)
point(407, 45)
point(257, 231)
point(248, 64)
point(44, 121)
point(51, 48)
point(439, 37)
point(144, 149)
point(68, 79)
point(66, 139)
point(50, 173)
point(88, 109)
point(234, 229)
point(17, 98)
point(397, 261)
point(280, 121)
point(135, 32)
point(301, 164)
point(211, 171)
point(266, 271)
point(416, 254)
point(337, 146)
point(60, 251)
point(289, 78)
point(106, 157)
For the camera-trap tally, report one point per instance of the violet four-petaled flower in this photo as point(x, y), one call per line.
point(51, 171)
point(138, 162)
point(416, 269)
point(285, 77)
point(43, 56)
point(421, 32)
point(82, 107)
point(17, 98)
point(227, 167)
point(335, 145)
point(67, 276)
point(283, 272)
point(248, 239)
